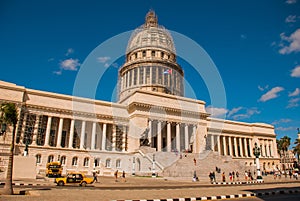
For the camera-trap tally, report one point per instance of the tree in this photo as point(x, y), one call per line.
point(9, 116)
point(296, 148)
point(283, 145)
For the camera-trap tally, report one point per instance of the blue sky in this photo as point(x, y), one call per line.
point(255, 46)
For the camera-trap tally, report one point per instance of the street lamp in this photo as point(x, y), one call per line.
point(256, 152)
point(133, 166)
point(153, 166)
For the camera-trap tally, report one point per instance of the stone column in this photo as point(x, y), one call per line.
point(186, 136)
point(169, 137)
point(144, 75)
point(246, 147)
point(59, 134)
point(132, 77)
point(124, 138)
point(267, 149)
point(150, 132)
point(71, 133)
point(241, 147)
point(151, 70)
point(250, 147)
point(35, 131)
point(138, 76)
point(159, 136)
point(194, 135)
point(82, 134)
point(235, 147)
point(230, 146)
point(93, 136)
point(224, 145)
point(48, 129)
point(127, 79)
point(178, 137)
point(212, 142)
point(263, 150)
point(219, 144)
point(114, 137)
point(103, 144)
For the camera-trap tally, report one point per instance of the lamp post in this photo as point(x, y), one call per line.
point(256, 152)
point(153, 166)
point(133, 166)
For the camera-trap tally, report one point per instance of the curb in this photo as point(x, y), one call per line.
point(238, 182)
point(220, 197)
point(24, 184)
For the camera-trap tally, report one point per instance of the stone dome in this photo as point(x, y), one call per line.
point(151, 35)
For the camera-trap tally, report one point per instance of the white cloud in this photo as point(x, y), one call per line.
point(70, 64)
point(234, 111)
point(290, 43)
point(291, 19)
point(216, 112)
point(59, 72)
point(296, 72)
point(291, 1)
point(103, 59)
point(69, 51)
point(263, 88)
point(295, 93)
point(273, 93)
point(294, 102)
point(246, 114)
point(281, 121)
point(106, 65)
point(285, 128)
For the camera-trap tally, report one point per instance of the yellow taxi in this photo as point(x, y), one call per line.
point(74, 178)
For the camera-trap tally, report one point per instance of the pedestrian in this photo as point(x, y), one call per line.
point(214, 176)
point(290, 174)
point(195, 161)
point(246, 175)
point(210, 177)
point(95, 176)
point(223, 177)
point(123, 176)
point(230, 176)
point(116, 175)
point(237, 174)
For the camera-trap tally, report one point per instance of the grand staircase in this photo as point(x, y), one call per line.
point(187, 164)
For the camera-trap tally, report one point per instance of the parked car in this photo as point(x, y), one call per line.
point(74, 178)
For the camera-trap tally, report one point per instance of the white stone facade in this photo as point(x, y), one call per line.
point(86, 134)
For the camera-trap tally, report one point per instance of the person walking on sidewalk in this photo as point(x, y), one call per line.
point(123, 176)
point(116, 175)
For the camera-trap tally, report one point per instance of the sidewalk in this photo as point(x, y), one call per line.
point(147, 188)
point(148, 182)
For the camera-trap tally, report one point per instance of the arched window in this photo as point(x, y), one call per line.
point(97, 162)
point(162, 55)
point(63, 160)
point(138, 162)
point(118, 163)
point(107, 163)
point(144, 53)
point(75, 161)
point(38, 158)
point(153, 53)
point(86, 161)
point(50, 158)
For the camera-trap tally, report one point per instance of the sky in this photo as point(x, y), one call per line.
point(254, 45)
